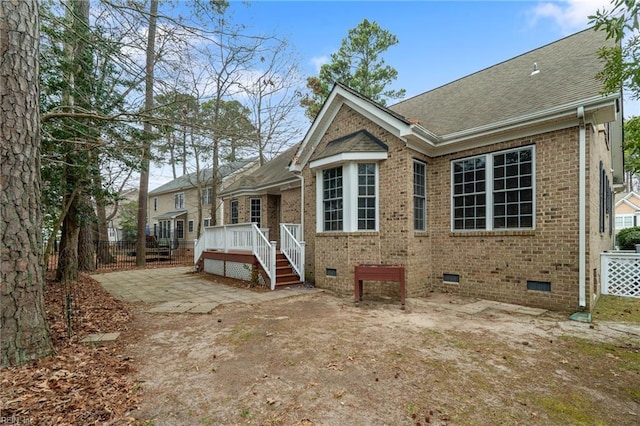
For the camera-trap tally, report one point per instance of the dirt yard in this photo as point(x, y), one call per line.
point(317, 359)
point(320, 360)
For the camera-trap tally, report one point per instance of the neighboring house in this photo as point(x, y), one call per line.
point(173, 207)
point(114, 226)
point(498, 185)
point(627, 211)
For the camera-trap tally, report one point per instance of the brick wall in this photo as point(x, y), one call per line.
point(597, 242)
point(494, 265)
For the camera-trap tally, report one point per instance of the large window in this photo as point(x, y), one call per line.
point(366, 196)
point(494, 191)
point(419, 196)
point(165, 229)
point(179, 228)
point(255, 209)
point(207, 194)
point(349, 198)
point(332, 199)
point(179, 200)
point(624, 221)
point(234, 211)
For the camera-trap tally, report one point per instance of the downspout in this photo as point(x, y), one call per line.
point(301, 176)
point(582, 210)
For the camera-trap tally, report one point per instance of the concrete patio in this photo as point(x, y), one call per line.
point(179, 290)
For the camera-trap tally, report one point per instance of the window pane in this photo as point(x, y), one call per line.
point(332, 199)
point(469, 193)
point(513, 189)
point(366, 196)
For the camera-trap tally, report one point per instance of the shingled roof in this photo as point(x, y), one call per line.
point(566, 73)
point(270, 174)
point(191, 180)
point(360, 141)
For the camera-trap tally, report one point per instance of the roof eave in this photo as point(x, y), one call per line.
point(601, 109)
point(254, 190)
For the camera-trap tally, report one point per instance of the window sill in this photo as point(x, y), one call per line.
point(347, 234)
point(501, 233)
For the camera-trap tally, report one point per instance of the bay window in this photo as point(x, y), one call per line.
point(348, 198)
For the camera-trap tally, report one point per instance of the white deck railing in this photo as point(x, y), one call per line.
point(240, 237)
point(620, 273)
point(292, 247)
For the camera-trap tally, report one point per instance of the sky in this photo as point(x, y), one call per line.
point(439, 41)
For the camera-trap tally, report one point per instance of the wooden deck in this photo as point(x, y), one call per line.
point(285, 275)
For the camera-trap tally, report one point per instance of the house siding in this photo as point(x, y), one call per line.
point(597, 241)
point(495, 265)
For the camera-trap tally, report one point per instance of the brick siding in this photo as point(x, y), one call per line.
point(494, 265)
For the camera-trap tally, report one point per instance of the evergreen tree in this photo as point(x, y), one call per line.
point(358, 65)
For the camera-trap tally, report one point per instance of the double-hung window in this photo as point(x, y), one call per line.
point(624, 221)
point(349, 199)
point(180, 229)
point(419, 196)
point(366, 196)
point(332, 199)
point(179, 200)
point(494, 191)
point(207, 195)
point(255, 210)
point(234, 211)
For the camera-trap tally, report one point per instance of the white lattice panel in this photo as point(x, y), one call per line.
point(241, 271)
point(213, 266)
point(621, 275)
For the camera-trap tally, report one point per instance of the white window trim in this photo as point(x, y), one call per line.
point(207, 195)
point(426, 195)
point(349, 197)
point(237, 218)
point(251, 200)
point(489, 190)
point(624, 216)
point(184, 231)
point(190, 226)
point(181, 197)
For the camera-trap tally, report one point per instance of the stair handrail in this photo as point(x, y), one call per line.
point(265, 251)
point(292, 249)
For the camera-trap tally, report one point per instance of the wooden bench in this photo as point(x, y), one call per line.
point(378, 272)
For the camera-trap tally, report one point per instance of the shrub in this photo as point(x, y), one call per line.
point(628, 238)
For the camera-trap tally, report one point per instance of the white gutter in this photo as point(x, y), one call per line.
point(582, 213)
point(301, 176)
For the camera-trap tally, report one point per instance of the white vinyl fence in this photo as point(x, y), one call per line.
point(620, 273)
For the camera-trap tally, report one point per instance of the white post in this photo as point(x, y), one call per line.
point(302, 250)
point(272, 264)
point(604, 274)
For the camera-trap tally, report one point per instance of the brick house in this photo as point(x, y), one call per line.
point(173, 207)
point(498, 185)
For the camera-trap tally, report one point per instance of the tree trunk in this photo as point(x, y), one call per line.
point(104, 255)
point(143, 192)
point(86, 248)
point(68, 253)
point(25, 335)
